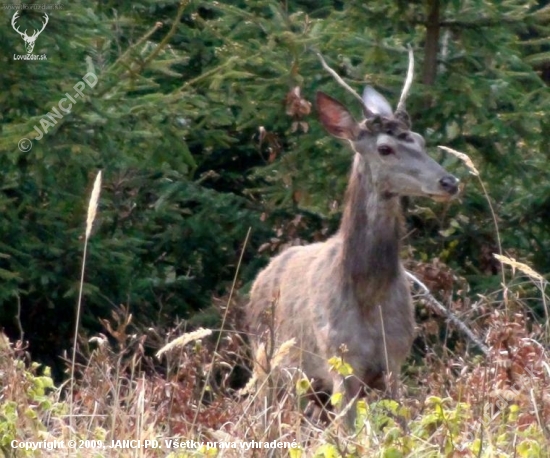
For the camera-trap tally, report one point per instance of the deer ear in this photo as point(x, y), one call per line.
point(376, 104)
point(336, 118)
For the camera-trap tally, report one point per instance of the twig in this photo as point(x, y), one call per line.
point(18, 319)
point(167, 38)
point(385, 344)
point(131, 48)
point(339, 80)
point(451, 317)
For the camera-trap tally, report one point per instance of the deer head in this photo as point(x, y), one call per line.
point(395, 156)
point(29, 41)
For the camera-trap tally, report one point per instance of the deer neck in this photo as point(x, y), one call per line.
point(371, 234)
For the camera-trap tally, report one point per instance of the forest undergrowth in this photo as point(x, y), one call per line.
point(135, 391)
point(454, 403)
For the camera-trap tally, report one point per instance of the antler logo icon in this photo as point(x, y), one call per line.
point(29, 41)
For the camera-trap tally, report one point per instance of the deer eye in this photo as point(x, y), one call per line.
point(405, 137)
point(385, 150)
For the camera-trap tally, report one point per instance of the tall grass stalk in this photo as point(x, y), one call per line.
point(537, 279)
point(222, 327)
point(475, 172)
point(92, 210)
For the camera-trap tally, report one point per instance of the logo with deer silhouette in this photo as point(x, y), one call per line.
point(29, 40)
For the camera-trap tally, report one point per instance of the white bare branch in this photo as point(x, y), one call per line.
point(451, 317)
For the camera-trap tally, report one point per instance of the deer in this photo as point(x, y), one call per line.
point(349, 295)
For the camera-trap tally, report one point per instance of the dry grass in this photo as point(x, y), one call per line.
point(90, 217)
point(454, 404)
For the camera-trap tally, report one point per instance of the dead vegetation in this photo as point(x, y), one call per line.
point(454, 401)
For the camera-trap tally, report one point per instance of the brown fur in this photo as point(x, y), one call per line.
point(350, 290)
point(328, 292)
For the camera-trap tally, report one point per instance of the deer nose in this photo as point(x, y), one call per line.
point(449, 184)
